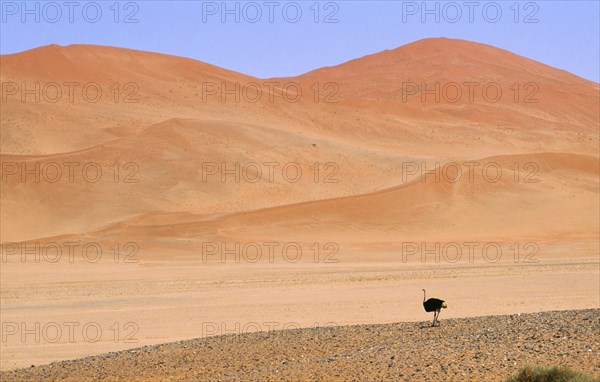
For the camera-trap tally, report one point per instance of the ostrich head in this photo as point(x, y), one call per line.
point(444, 305)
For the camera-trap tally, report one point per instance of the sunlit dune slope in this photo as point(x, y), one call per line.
point(355, 143)
point(554, 198)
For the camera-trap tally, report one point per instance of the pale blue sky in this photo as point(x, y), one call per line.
point(566, 34)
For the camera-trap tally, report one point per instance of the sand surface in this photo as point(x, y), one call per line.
point(297, 209)
point(486, 348)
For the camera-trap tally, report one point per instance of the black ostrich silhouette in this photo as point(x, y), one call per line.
point(433, 305)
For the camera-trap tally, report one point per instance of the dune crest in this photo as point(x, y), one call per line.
point(362, 168)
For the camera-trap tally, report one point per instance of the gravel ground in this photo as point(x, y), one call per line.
point(467, 349)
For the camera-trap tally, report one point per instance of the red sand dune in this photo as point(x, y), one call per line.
point(370, 134)
point(368, 195)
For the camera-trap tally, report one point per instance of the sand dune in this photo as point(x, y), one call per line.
point(472, 200)
point(364, 163)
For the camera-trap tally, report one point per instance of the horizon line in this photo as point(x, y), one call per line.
point(303, 73)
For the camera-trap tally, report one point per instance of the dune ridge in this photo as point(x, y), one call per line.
point(169, 161)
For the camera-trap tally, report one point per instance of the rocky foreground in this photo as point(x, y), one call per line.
point(468, 349)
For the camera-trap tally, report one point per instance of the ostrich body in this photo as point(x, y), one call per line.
point(433, 305)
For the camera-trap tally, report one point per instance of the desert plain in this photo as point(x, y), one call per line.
point(148, 198)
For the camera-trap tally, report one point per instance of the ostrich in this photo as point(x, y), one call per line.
point(433, 305)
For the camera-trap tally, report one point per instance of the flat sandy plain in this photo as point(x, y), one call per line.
point(488, 348)
point(517, 234)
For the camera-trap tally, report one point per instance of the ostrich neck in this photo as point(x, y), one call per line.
point(424, 296)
